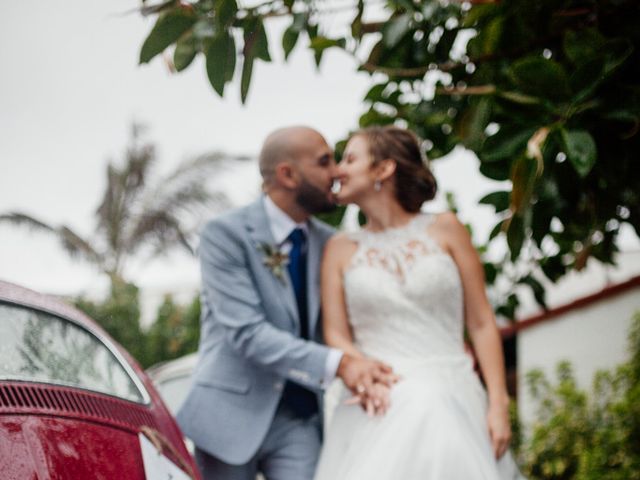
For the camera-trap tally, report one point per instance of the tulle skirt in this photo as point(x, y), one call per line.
point(436, 429)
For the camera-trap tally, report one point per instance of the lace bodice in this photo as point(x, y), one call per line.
point(404, 294)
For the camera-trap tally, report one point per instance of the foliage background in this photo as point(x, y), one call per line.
point(545, 93)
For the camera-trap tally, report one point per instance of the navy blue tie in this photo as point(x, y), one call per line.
point(298, 273)
point(301, 402)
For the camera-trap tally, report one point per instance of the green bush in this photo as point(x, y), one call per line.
point(119, 315)
point(174, 333)
point(585, 435)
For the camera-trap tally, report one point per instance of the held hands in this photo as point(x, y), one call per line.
point(369, 380)
point(499, 427)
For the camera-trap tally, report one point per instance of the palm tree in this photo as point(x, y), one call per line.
point(136, 215)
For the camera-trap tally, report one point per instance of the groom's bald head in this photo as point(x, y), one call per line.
point(285, 145)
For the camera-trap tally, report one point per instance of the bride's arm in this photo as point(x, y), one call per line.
point(370, 382)
point(335, 321)
point(482, 328)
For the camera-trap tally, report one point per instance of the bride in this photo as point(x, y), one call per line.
point(402, 290)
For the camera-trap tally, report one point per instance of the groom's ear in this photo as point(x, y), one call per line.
point(286, 175)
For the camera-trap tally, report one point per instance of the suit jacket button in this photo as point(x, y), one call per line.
point(278, 386)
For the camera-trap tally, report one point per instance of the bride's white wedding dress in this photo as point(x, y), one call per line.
point(405, 305)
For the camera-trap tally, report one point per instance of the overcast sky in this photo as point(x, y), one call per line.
point(70, 89)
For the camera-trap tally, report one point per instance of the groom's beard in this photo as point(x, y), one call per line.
point(313, 200)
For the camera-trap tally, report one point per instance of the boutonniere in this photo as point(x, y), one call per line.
point(274, 260)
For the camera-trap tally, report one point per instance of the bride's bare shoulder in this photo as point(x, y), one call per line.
point(449, 230)
point(340, 247)
point(447, 221)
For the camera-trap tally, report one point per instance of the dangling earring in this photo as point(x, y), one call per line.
point(377, 185)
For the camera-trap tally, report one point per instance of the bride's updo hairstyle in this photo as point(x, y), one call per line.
point(414, 183)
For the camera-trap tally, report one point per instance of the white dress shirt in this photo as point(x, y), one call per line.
point(281, 226)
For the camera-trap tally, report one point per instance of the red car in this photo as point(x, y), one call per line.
point(73, 404)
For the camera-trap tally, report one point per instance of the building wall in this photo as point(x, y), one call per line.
point(592, 338)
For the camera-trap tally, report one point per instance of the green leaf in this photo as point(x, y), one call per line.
point(204, 29)
point(495, 170)
point(583, 45)
point(226, 11)
point(289, 40)
point(499, 200)
point(490, 36)
point(515, 236)
point(374, 117)
point(490, 272)
point(520, 98)
point(495, 231)
point(356, 24)
point(167, 30)
point(537, 289)
point(184, 53)
point(581, 150)
point(540, 77)
point(523, 179)
point(395, 29)
point(322, 43)
point(553, 267)
point(247, 70)
point(221, 61)
point(256, 44)
point(319, 44)
point(506, 144)
point(586, 78)
point(375, 93)
point(617, 51)
point(473, 122)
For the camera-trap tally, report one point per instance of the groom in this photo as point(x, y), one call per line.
point(255, 404)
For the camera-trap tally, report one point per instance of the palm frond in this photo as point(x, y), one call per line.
point(159, 229)
point(124, 187)
point(75, 245)
point(19, 218)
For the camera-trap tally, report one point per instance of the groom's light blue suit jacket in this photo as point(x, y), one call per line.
point(250, 331)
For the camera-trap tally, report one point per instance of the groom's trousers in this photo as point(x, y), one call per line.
point(289, 452)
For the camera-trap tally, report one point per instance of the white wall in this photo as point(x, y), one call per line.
point(591, 338)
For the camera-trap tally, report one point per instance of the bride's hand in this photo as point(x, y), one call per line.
point(376, 400)
point(499, 427)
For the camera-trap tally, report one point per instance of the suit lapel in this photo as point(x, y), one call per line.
point(257, 225)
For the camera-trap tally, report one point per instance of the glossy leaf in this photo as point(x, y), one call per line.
point(583, 46)
point(506, 144)
point(499, 200)
point(540, 77)
point(536, 288)
point(167, 30)
point(396, 29)
point(581, 150)
point(221, 61)
point(515, 236)
point(523, 178)
point(256, 44)
point(375, 93)
point(226, 10)
point(184, 53)
point(472, 124)
point(247, 71)
point(289, 40)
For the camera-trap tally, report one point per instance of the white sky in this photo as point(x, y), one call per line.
point(69, 90)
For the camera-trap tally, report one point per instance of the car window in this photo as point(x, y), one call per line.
point(41, 347)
